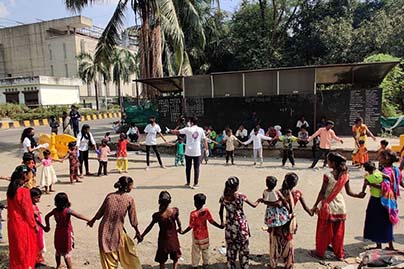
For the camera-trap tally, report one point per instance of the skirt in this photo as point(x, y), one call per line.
point(48, 176)
point(378, 227)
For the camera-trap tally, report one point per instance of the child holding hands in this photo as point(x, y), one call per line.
point(168, 220)
point(64, 230)
point(200, 235)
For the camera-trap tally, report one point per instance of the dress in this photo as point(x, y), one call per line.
point(281, 238)
point(115, 245)
point(39, 236)
point(360, 156)
point(168, 243)
point(48, 173)
point(237, 232)
point(21, 230)
point(64, 232)
point(73, 164)
point(378, 227)
point(274, 216)
point(122, 154)
point(331, 217)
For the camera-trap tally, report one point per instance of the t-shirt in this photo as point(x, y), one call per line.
point(198, 222)
point(300, 123)
point(230, 142)
point(194, 136)
point(287, 141)
point(179, 148)
point(132, 130)
point(26, 144)
point(104, 151)
point(151, 134)
point(84, 142)
point(256, 139)
point(375, 178)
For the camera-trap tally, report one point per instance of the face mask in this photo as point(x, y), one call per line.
point(189, 124)
point(151, 122)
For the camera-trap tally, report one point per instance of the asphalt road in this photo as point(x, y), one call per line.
point(10, 138)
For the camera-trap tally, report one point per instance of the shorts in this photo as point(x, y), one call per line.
point(162, 255)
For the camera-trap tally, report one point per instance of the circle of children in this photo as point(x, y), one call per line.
point(26, 227)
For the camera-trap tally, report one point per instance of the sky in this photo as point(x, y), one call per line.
point(14, 12)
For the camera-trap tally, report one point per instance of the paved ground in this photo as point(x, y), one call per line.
point(88, 196)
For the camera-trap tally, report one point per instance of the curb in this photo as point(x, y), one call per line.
point(42, 122)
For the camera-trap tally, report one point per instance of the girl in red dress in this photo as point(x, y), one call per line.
point(21, 222)
point(64, 230)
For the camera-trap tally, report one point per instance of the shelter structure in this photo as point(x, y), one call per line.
point(287, 92)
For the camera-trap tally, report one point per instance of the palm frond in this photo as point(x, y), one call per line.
point(191, 21)
point(78, 5)
point(111, 34)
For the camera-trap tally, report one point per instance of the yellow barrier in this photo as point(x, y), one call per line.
point(45, 122)
point(16, 124)
point(5, 125)
point(27, 123)
point(36, 122)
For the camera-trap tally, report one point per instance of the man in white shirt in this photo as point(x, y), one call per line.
point(260, 130)
point(257, 138)
point(194, 137)
point(133, 133)
point(151, 130)
point(242, 133)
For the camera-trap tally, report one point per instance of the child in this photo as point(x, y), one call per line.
point(179, 151)
point(374, 222)
point(383, 146)
point(29, 161)
point(53, 124)
point(200, 236)
point(257, 138)
point(303, 135)
point(237, 231)
point(122, 154)
point(277, 213)
point(64, 230)
point(287, 150)
point(168, 220)
point(229, 140)
point(36, 197)
point(107, 137)
point(48, 173)
point(104, 150)
point(74, 162)
point(281, 238)
point(219, 144)
point(361, 156)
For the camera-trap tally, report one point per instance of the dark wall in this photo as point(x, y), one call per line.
point(341, 106)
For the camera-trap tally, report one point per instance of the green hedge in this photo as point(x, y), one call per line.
point(22, 112)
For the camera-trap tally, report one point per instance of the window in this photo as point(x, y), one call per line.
point(52, 71)
point(66, 70)
point(12, 97)
point(31, 98)
point(64, 50)
point(50, 55)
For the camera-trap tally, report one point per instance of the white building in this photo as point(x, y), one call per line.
point(44, 53)
point(40, 90)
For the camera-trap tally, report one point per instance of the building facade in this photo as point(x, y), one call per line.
point(50, 49)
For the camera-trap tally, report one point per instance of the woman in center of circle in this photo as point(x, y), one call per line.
point(114, 243)
point(332, 210)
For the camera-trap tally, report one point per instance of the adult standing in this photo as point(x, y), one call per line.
point(327, 135)
point(194, 137)
point(151, 130)
point(85, 140)
point(114, 243)
point(27, 140)
point(66, 127)
point(332, 210)
point(75, 118)
point(21, 222)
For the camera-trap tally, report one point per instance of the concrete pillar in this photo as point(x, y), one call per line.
point(21, 98)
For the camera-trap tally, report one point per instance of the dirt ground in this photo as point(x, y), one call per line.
point(88, 196)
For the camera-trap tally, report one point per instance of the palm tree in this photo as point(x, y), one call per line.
point(123, 64)
point(91, 71)
point(158, 20)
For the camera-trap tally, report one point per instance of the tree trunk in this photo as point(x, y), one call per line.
point(120, 97)
point(96, 94)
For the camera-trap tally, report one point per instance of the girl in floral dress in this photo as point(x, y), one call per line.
point(237, 231)
point(74, 163)
point(36, 197)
